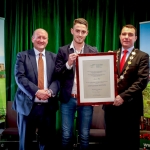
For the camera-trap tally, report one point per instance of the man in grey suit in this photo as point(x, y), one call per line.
point(65, 70)
point(36, 107)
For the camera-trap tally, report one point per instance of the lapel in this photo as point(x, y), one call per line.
point(70, 51)
point(32, 57)
point(49, 63)
point(86, 49)
point(118, 63)
point(126, 63)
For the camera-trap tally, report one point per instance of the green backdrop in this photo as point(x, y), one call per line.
point(105, 17)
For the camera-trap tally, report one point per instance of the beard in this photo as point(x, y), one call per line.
point(79, 41)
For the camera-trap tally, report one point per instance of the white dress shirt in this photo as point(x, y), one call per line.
point(45, 72)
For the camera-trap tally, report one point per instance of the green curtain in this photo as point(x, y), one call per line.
point(105, 18)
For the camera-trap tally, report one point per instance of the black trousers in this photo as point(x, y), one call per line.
point(122, 128)
point(41, 118)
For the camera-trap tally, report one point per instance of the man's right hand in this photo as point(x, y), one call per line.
point(42, 94)
point(72, 58)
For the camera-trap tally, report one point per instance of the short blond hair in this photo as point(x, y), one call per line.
point(80, 21)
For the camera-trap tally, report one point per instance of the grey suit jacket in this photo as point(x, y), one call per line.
point(26, 77)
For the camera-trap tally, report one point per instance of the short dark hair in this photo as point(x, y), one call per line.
point(130, 26)
point(80, 21)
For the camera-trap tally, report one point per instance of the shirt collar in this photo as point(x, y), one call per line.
point(72, 46)
point(37, 52)
point(129, 49)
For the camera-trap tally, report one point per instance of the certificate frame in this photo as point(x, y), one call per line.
point(96, 77)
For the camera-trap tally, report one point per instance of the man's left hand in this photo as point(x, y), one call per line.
point(118, 101)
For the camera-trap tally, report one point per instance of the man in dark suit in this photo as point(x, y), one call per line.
point(123, 117)
point(65, 69)
point(36, 106)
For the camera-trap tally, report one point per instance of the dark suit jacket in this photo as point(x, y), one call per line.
point(67, 76)
point(135, 80)
point(26, 76)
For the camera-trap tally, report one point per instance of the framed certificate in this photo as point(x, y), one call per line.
point(96, 78)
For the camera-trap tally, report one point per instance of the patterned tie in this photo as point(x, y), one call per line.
point(40, 72)
point(123, 59)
